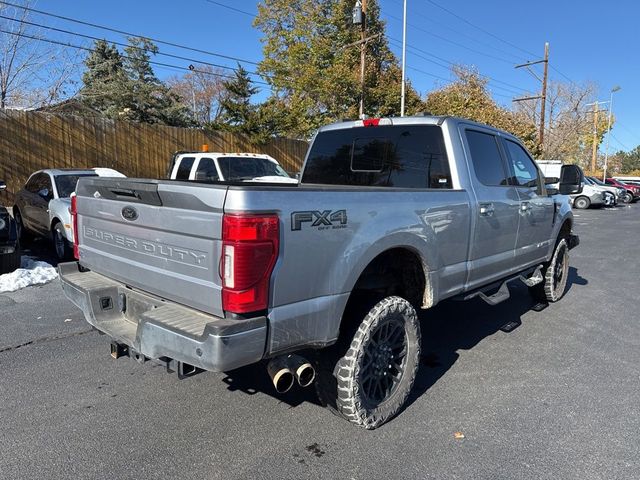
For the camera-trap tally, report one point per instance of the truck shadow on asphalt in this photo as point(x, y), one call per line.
point(447, 328)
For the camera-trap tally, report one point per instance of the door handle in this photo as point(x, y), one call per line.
point(486, 209)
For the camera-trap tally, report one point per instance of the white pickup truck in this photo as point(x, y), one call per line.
point(227, 167)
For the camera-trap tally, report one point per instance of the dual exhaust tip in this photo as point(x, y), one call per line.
point(287, 369)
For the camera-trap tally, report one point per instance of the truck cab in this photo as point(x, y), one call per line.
point(228, 167)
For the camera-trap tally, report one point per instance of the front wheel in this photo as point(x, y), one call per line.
point(581, 203)
point(60, 243)
point(627, 197)
point(556, 274)
point(368, 380)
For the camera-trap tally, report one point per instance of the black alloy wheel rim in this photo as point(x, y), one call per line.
point(384, 361)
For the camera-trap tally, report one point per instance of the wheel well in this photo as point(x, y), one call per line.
point(565, 229)
point(398, 271)
point(54, 222)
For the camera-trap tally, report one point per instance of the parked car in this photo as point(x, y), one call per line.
point(632, 192)
point(611, 194)
point(42, 205)
point(228, 167)
point(590, 196)
point(390, 215)
point(9, 245)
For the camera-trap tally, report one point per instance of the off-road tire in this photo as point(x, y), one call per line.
point(555, 273)
point(349, 371)
point(582, 203)
point(61, 246)
point(10, 261)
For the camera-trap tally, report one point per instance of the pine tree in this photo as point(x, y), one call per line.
point(314, 68)
point(124, 86)
point(237, 112)
point(104, 80)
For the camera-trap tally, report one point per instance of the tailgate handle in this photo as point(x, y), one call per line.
point(125, 193)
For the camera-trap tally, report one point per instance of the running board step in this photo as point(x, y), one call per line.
point(500, 296)
point(535, 279)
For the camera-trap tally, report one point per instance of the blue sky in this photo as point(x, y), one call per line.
point(589, 41)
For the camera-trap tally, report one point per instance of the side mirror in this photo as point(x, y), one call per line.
point(571, 179)
point(551, 180)
point(2, 185)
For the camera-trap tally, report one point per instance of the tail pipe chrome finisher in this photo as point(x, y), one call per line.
point(286, 369)
point(281, 375)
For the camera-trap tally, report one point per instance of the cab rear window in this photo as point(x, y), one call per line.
point(388, 156)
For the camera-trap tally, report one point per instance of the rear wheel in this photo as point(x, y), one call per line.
point(367, 377)
point(23, 234)
point(581, 203)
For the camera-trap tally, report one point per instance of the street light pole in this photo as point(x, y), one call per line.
point(606, 149)
point(404, 54)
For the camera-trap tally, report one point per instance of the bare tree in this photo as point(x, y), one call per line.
point(201, 90)
point(569, 131)
point(33, 73)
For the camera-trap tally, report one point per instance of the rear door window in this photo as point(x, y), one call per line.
point(486, 158)
point(412, 156)
point(207, 170)
point(184, 168)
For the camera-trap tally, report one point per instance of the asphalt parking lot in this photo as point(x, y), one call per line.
point(556, 398)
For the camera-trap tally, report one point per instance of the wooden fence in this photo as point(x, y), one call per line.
point(31, 141)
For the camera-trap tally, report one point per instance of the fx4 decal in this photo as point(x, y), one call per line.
point(321, 220)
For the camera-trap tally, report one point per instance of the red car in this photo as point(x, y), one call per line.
point(632, 192)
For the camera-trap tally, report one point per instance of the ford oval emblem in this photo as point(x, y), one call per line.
point(129, 213)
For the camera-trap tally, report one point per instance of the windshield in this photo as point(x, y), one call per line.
point(246, 168)
point(66, 184)
point(597, 182)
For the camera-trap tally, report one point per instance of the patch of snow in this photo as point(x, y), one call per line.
point(31, 272)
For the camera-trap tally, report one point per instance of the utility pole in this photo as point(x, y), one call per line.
point(404, 54)
point(543, 93)
point(606, 149)
point(363, 51)
point(594, 151)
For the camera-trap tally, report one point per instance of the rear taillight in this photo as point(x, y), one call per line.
point(249, 253)
point(74, 222)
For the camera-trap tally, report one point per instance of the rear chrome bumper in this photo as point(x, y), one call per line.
point(156, 328)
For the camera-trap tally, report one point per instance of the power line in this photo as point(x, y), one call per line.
point(486, 32)
point(232, 8)
point(479, 52)
point(619, 142)
point(122, 32)
point(513, 89)
point(120, 44)
point(153, 62)
point(457, 32)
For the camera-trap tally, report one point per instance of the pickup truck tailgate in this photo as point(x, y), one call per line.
point(160, 236)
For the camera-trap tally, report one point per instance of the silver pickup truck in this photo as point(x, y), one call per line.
point(323, 278)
